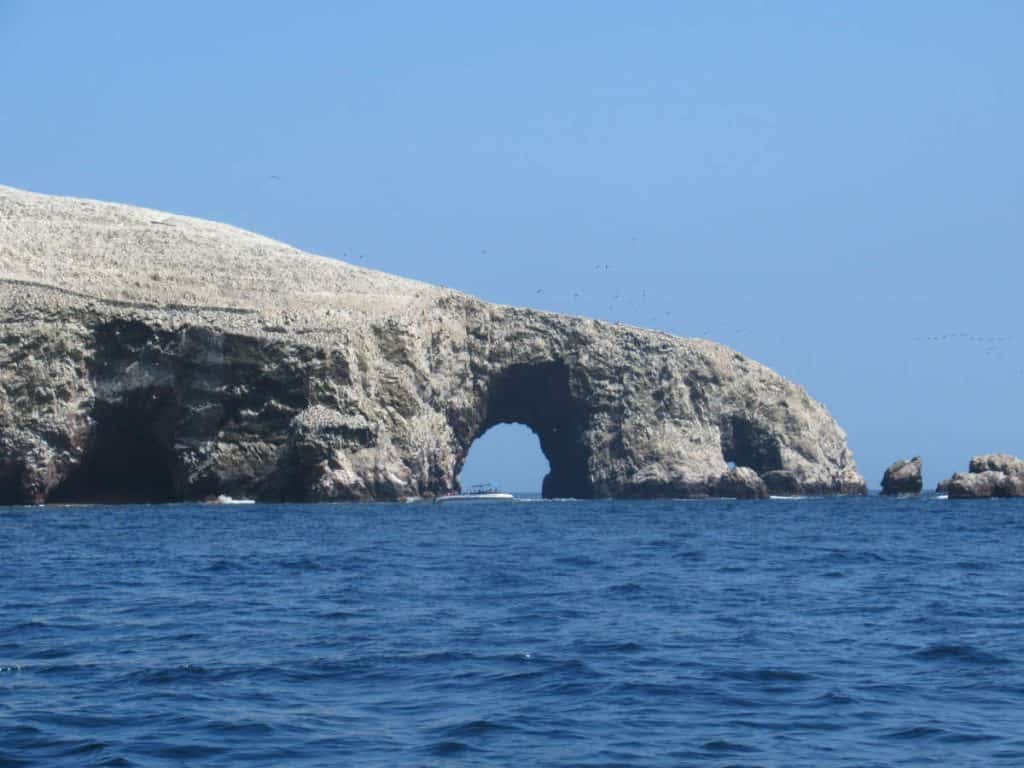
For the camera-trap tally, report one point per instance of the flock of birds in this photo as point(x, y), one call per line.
point(965, 337)
point(990, 345)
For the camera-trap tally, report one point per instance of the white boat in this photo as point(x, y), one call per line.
point(479, 493)
point(225, 499)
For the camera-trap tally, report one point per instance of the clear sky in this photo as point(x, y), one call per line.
point(835, 189)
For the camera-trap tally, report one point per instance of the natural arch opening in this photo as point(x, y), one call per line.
point(507, 456)
point(130, 456)
point(541, 397)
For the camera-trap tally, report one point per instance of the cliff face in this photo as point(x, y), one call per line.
point(145, 356)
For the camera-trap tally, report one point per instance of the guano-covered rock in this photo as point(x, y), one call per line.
point(148, 356)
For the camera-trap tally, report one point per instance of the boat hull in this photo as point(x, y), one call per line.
point(475, 497)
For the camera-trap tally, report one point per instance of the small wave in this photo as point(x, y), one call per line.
point(690, 555)
point(472, 728)
point(29, 625)
point(593, 647)
point(224, 566)
point(442, 657)
point(9, 761)
point(834, 699)
point(975, 565)
point(85, 747)
point(768, 675)
point(662, 543)
point(517, 677)
point(449, 747)
point(580, 561)
point(300, 564)
point(163, 676)
point(820, 726)
point(338, 615)
point(185, 637)
point(236, 729)
point(186, 751)
point(629, 588)
point(51, 653)
point(721, 746)
point(952, 652)
point(968, 738)
point(853, 556)
point(733, 569)
point(657, 690)
point(64, 669)
point(915, 732)
point(85, 721)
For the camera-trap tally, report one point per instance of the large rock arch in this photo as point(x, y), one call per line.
point(545, 398)
point(144, 350)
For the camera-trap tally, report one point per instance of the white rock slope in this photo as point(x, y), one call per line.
point(146, 356)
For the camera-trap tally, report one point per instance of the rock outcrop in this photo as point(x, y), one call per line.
point(741, 483)
point(994, 475)
point(148, 356)
point(902, 477)
point(997, 462)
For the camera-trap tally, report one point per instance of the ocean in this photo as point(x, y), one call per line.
point(803, 632)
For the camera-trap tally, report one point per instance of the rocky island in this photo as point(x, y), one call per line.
point(991, 475)
point(146, 356)
point(903, 478)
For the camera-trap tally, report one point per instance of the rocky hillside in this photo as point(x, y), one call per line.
point(147, 356)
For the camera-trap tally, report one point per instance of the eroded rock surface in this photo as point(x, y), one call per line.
point(903, 477)
point(995, 475)
point(147, 356)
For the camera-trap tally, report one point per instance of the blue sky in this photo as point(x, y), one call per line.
point(823, 186)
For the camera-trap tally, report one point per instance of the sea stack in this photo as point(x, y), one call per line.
point(993, 475)
point(153, 357)
point(902, 478)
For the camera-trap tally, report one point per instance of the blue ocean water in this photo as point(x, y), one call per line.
point(809, 632)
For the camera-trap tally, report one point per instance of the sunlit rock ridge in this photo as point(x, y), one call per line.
point(146, 356)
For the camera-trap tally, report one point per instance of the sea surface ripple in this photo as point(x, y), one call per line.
point(813, 632)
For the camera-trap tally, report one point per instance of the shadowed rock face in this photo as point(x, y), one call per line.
point(151, 357)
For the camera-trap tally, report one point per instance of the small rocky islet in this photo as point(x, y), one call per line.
point(903, 477)
point(146, 356)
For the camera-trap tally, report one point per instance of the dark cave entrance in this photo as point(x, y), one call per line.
point(744, 444)
point(10, 493)
point(540, 397)
point(130, 455)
